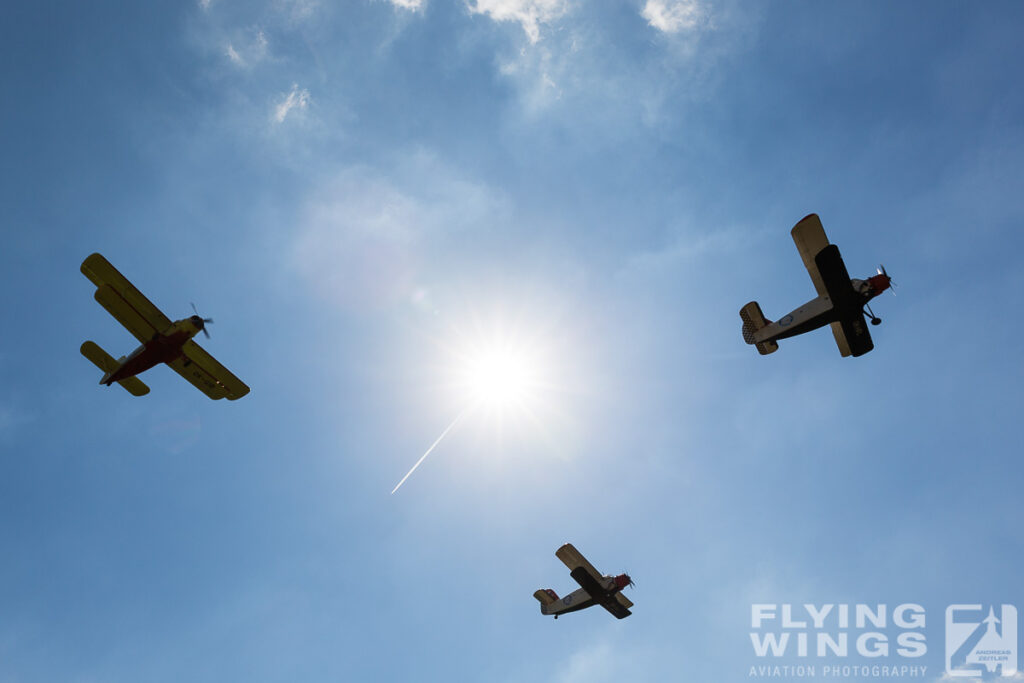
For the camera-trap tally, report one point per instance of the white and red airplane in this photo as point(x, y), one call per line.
point(597, 589)
point(840, 302)
point(163, 341)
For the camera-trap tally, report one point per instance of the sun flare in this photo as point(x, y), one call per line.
point(501, 382)
point(500, 377)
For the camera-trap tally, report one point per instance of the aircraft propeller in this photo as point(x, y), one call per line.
point(202, 321)
point(892, 285)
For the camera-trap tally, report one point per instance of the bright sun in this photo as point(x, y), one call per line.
point(500, 370)
point(500, 377)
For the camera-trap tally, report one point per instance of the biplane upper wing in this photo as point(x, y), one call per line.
point(852, 336)
point(573, 558)
point(206, 374)
point(809, 237)
point(122, 300)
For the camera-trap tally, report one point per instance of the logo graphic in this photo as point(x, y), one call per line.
point(976, 643)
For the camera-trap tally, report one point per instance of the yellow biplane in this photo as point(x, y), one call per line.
point(163, 341)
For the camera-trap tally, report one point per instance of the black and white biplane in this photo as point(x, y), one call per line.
point(841, 301)
point(597, 589)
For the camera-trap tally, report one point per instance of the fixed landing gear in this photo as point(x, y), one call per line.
point(875, 320)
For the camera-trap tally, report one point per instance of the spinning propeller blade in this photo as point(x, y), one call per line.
point(892, 285)
point(203, 321)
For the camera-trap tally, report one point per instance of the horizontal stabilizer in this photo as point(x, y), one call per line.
point(103, 360)
point(99, 357)
point(546, 596)
point(134, 386)
point(754, 320)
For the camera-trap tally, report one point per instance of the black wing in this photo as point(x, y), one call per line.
point(605, 598)
point(851, 333)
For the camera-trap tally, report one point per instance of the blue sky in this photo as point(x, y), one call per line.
point(363, 193)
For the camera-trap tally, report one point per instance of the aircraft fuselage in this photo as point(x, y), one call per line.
point(581, 598)
point(819, 312)
point(162, 348)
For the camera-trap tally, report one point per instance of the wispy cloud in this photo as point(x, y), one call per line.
point(365, 235)
point(247, 52)
point(584, 64)
point(529, 13)
point(408, 4)
point(672, 16)
point(296, 99)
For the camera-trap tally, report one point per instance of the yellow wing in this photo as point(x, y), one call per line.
point(204, 372)
point(122, 300)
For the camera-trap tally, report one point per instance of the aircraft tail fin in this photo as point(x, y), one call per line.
point(754, 320)
point(103, 360)
point(545, 596)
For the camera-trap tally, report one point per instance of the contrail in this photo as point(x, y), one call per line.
point(434, 445)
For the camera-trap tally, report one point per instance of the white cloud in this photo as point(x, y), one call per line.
point(529, 13)
point(296, 99)
point(672, 16)
point(408, 4)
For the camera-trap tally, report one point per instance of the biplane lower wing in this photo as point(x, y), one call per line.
point(599, 594)
point(855, 335)
point(615, 607)
point(204, 372)
point(850, 332)
point(129, 302)
point(587, 582)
